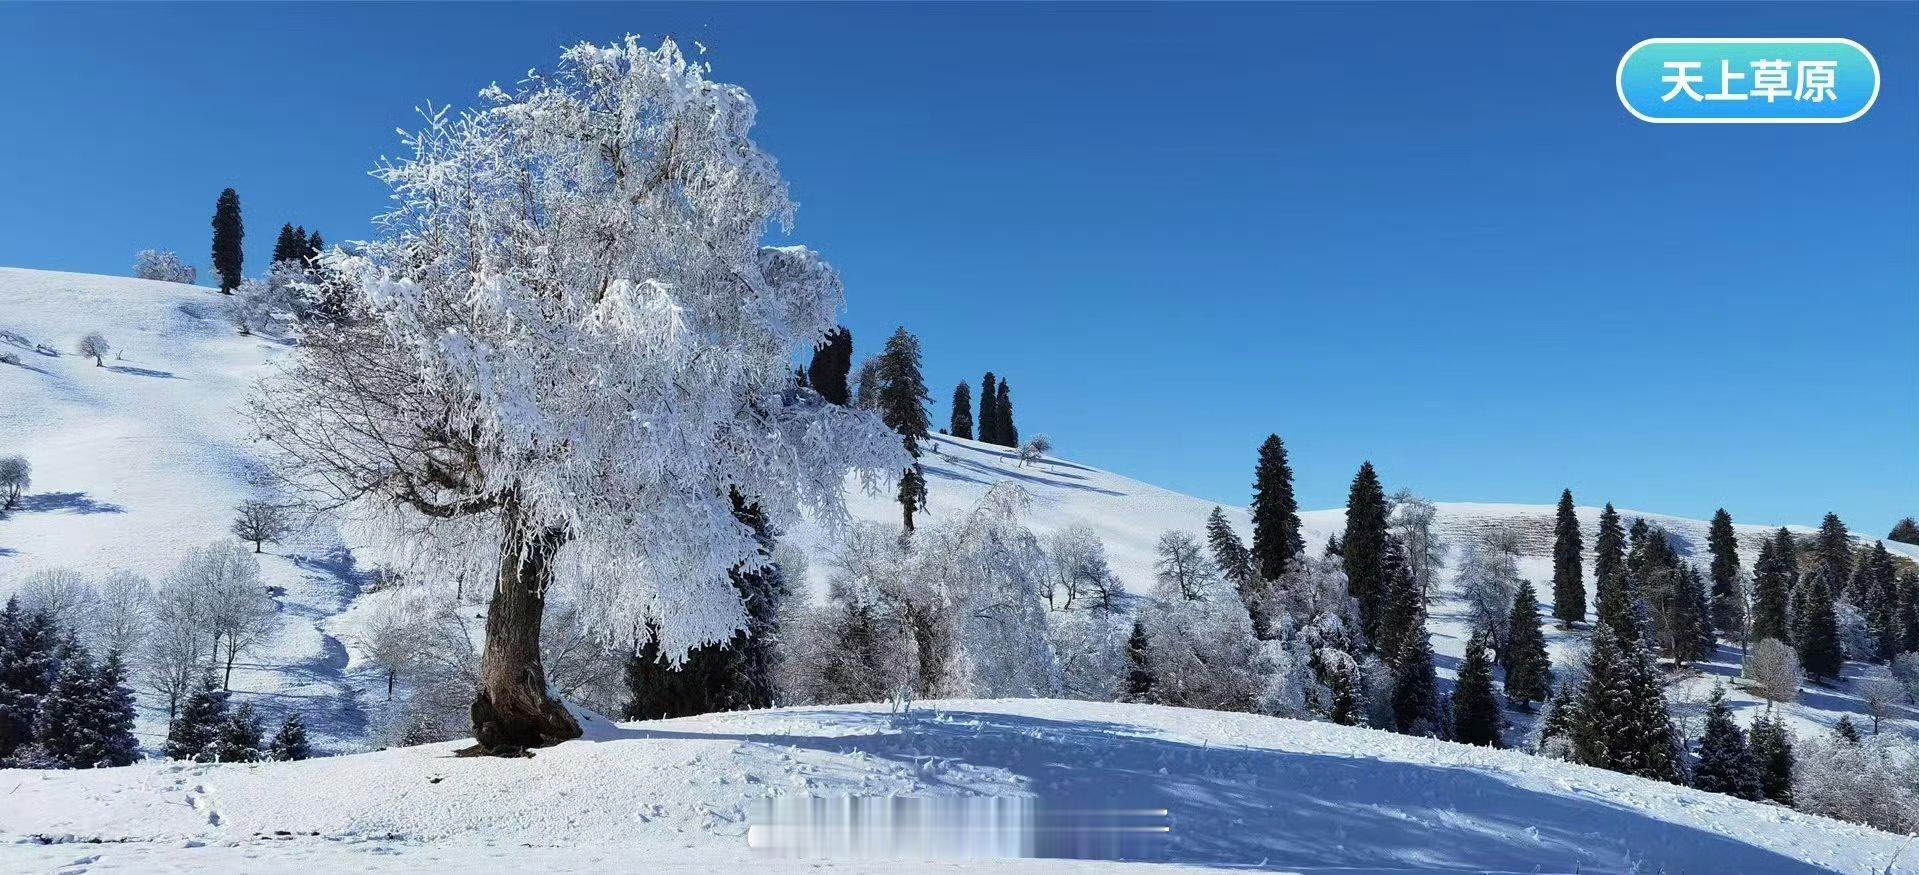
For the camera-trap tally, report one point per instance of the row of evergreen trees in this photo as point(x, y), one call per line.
point(294, 244)
point(59, 708)
point(206, 730)
point(995, 412)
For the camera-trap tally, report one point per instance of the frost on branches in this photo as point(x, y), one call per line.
point(573, 347)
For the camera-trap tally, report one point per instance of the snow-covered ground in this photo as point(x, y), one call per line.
point(143, 459)
point(1238, 791)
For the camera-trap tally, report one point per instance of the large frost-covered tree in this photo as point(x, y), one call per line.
point(574, 350)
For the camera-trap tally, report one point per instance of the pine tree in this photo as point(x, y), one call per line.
point(1403, 608)
point(195, 733)
point(960, 425)
point(228, 232)
point(1771, 596)
point(832, 362)
point(1235, 563)
point(1728, 615)
point(1415, 687)
point(1569, 574)
point(1528, 667)
point(117, 712)
point(289, 246)
point(68, 721)
point(1276, 538)
point(1832, 548)
point(1772, 756)
point(1006, 431)
point(1476, 717)
point(28, 668)
point(1908, 600)
point(1878, 598)
point(315, 248)
point(290, 742)
point(1816, 629)
point(1609, 571)
point(1725, 763)
point(1560, 722)
point(240, 737)
point(1845, 731)
point(1623, 724)
point(1139, 665)
point(902, 405)
point(1906, 531)
point(1364, 546)
point(989, 410)
point(1343, 706)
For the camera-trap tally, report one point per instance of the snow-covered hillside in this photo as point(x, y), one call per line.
point(1237, 791)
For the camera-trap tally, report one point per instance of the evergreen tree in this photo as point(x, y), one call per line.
point(1476, 717)
point(1623, 724)
point(1787, 549)
point(1403, 609)
point(1906, 531)
point(1344, 706)
point(28, 668)
point(1875, 584)
point(290, 742)
point(832, 362)
point(1845, 731)
point(1816, 629)
point(1364, 547)
point(1725, 762)
point(902, 405)
point(68, 721)
point(1772, 756)
point(1560, 722)
point(1728, 616)
point(1139, 666)
point(315, 247)
point(1569, 575)
point(240, 737)
point(1006, 431)
point(960, 425)
point(1771, 595)
point(989, 410)
point(1908, 600)
point(1528, 667)
point(289, 246)
point(912, 495)
point(1276, 538)
point(1235, 563)
point(228, 231)
point(1415, 687)
point(1832, 554)
point(1609, 571)
point(117, 712)
point(195, 733)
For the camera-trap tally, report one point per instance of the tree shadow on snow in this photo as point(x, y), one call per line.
point(142, 372)
point(64, 502)
point(1262, 809)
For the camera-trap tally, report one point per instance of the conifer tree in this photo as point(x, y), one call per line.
point(1364, 546)
point(1139, 665)
point(117, 712)
point(1276, 538)
point(195, 733)
point(1906, 531)
point(1725, 762)
point(1403, 608)
point(1845, 731)
point(289, 246)
point(240, 737)
point(1006, 431)
point(1560, 722)
point(1569, 575)
point(1415, 687)
point(1609, 570)
point(1623, 723)
point(1229, 553)
point(228, 232)
point(1908, 600)
point(832, 362)
point(1787, 549)
point(1833, 546)
point(315, 247)
point(1816, 629)
point(1528, 667)
point(1727, 616)
point(1878, 598)
point(1771, 595)
point(290, 742)
point(28, 669)
point(1771, 745)
point(989, 410)
point(960, 424)
point(902, 405)
point(1476, 717)
point(69, 719)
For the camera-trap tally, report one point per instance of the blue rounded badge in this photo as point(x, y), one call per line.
point(1748, 80)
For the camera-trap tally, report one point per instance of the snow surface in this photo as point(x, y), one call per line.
point(1240, 791)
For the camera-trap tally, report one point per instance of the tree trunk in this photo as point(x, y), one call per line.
point(514, 711)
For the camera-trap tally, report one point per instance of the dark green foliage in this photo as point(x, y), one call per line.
point(315, 246)
point(1771, 745)
point(1682, 616)
point(241, 738)
point(1623, 724)
point(902, 405)
point(912, 495)
point(228, 234)
point(1908, 599)
point(855, 666)
point(1816, 629)
point(28, 669)
point(1139, 666)
point(1528, 667)
point(1787, 548)
point(1345, 706)
point(1728, 614)
point(1560, 722)
point(1845, 731)
point(1235, 563)
point(1364, 546)
point(290, 742)
point(1005, 431)
point(195, 733)
point(1906, 531)
point(832, 362)
point(1276, 539)
point(1476, 717)
point(1725, 762)
point(1833, 547)
point(960, 424)
point(1771, 596)
point(1415, 687)
point(86, 720)
point(730, 676)
point(1609, 571)
point(1874, 589)
point(1569, 575)
point(117, 712)
point(1403, 609)
point(291, 246)
point(989, 409)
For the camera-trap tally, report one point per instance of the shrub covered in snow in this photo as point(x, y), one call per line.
point(163, 265)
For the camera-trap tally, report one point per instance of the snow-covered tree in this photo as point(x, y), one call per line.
point(29, 665)
point(163, 265)
point(1772, 755)
point(1183, 567)
point(94, 345)
point(1202, 651)
point(259, 522)
point(1874, 781)
point(575, 347)
point(1488, 579)
point(1091, 649)
point(1035, 449)
point(67, 598)
point(1081, 577)
point(122, 613)
point(1476, 717)
point(276, 303)
point(1411, 522)
point(1773, 667)
point(241, 738)
point(16, 476)
point(195, 731)
point(217, 590)
point(1725, 761)
point(290, 741)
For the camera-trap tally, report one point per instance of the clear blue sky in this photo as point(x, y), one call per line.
point(1429, 236)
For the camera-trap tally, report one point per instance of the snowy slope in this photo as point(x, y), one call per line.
point(1239, 791)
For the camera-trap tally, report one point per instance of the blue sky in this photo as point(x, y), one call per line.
point(1428, 236)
